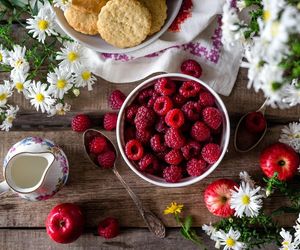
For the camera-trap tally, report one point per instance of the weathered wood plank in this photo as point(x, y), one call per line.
point(128, 239)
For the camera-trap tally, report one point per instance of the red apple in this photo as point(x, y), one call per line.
point(65, 223)
point(217, 196)
point(279, 158)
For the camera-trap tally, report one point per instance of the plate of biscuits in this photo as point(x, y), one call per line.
point(117, 26)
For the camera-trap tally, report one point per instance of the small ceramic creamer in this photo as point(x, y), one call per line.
point(35, 169)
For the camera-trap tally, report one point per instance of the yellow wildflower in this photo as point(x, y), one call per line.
point(173, 208)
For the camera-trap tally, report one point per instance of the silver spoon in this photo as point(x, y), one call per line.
point(153, 223)
point(257, 139)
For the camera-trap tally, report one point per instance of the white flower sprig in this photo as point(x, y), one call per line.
point(290, 135)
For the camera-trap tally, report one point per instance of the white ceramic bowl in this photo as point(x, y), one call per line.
point(157, 180)
point(98, 44)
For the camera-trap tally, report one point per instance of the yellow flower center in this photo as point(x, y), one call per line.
point(230, 242)
point(19, 62)
point(266, 15)
point(61, 84)
point(275, 28)
point(39, 97)
point(3, 97)
point(19, 86)
point(43, 25)
point(86, 75)
point(1, 57)
point(10, 119)
point(285, 243)
point(246, 200)
point(72, 56)
point(65, 1)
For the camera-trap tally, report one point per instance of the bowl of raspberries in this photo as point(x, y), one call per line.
point(173, 130)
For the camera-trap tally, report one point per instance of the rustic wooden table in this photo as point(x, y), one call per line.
point(100, 194)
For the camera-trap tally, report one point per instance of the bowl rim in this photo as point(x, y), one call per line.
point(195, 179)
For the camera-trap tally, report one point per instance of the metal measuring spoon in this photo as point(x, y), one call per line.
point(153, 223)
point(245, 141)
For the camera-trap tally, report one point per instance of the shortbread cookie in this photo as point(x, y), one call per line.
point(82, 21)
point(124, 23)
point(92, 6)
point(158, 10)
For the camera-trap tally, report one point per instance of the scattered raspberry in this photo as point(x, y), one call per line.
point(255, 122)
point(212, 117)
point(206, 99)
point(97, 145)
point(172, 174)
point(145, 95)
point(192, 110)
point(110, 121)
point(81, 123)
point(174, 139)
point(174, 157)
point(165, 86)
point(157, 143)
point(161, 126)
point(130, 113)
point(200, 132)
point(134, 150)
point(196, 167)
point(161, 155)
point(107, 159)
point(144, 118)
point(152, 100)
point(116, 99)
point(162, 105)
point(179, 100)
point(143, 136)
point(211, 153)
point(108, 228)
point(192, 68)
point(190, 150)
point(175, 118)
point(129, 134)
point(149, 164)
point(189, 89)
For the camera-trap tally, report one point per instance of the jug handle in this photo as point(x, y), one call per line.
point(3, 187)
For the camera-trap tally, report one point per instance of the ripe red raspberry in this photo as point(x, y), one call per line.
point(145, 95)
point(192, 68)
point(179, 100)
point(200, 132)
point(81, 123)
point(110, 121)
point(134, 150)
point(157, 143)
point(161, 126)
point(145, 118)
point(192, 110)
point(206, 99)
point(130, 112)
point(143, 136)
point(196, 167)
point(174, 157)
point(174, 138)
point(149, 164)
point(255, 122)
point(211, 153)
point(212, 117)
point(189, 89)
point(165, 86)
point(108, 228)
point(152, 100)
point(97, 145)
point(172, 174)
point(175, 118)
point(107, 159)
point(190, 150)
point(116, 99)
point(162, 105)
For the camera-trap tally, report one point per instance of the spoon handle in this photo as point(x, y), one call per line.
point(154, 224)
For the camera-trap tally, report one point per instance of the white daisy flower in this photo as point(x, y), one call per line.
point(245, 177)
point(20, 83)
point(210, 231)
point(61, 82)
point(59, 109)
point(84, 77)
point(241, 4)
point(291, 93)
point(76, 92)
point(42, 25)
point(287, 243)
point(17, 59)
point(10, 116)
point(230, 240)
point(40, 96)
point(290, 135)
point(5, 92)
point(73, 56)
point(3, 55)
point(62, 4)
point(246, 201)
point(271, 9)
point(297, 230)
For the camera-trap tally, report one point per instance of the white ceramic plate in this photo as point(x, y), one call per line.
point(98, 44)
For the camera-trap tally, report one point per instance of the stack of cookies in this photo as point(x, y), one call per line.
point(121, 23)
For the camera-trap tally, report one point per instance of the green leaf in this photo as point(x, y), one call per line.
point(188, 222)
point(184, 234)
point(18, 3)
point(6, 3)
